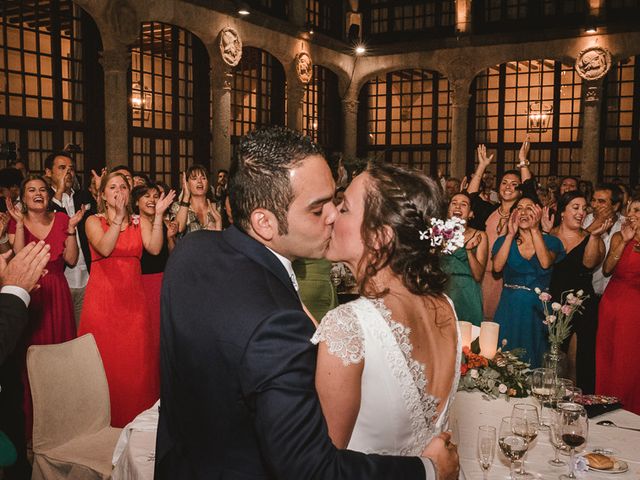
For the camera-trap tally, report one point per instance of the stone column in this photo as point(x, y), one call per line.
point(221, 85)
point(295, 99)
point(350, 115)
point(115, 63)
point(459, 110)
point(591, 130)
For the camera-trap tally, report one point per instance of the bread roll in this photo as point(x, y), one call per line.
point(599, 461)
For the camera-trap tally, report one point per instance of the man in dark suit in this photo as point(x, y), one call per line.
point(17, 278)
point(237, 367)
point(59, 168)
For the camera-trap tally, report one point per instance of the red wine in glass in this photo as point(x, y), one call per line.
point(573, 440)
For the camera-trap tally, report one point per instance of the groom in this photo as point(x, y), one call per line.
point(237, 368)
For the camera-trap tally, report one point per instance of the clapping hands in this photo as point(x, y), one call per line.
point(547, 220)
point(14, 211)
point(164, 202)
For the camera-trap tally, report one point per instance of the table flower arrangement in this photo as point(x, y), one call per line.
point(504, 374)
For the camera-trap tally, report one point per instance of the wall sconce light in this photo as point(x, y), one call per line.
point(360, 49)
point(141, 100)
point(243, 8)
point(591, 29)
point(539, 117)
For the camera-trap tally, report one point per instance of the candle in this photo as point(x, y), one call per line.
point(489, 339)
point(465, 333)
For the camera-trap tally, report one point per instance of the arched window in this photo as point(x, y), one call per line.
point(538, 98)
point(621, 149)
point(258, 93)
point(321, 108)
point(49, 75)
point(407, 119)
point(168, 102)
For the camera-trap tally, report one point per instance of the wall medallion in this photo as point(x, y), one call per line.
point(593, 63)
point(304, 67)
point(230, 46)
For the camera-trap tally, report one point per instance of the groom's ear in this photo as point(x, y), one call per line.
point(264, 224)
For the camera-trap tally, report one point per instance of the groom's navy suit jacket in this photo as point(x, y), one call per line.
point(237, 373)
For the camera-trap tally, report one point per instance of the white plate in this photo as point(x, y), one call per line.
point(619, 466)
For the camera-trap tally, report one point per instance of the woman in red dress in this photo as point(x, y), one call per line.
point(51, 308)
point(113, 311)
point(618, 332)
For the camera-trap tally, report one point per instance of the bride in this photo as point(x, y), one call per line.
point(388, 362)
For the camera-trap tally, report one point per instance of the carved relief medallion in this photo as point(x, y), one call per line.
point(230, 46)
point(593, 63)
point(304, 67)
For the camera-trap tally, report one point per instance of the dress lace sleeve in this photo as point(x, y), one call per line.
point(340, 330)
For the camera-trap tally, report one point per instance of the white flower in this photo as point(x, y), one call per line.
point(581, 464)
point(556, 306)
point(537, 290)
point(474, 373)
point(551, 319)
point(502, 388)
point(580, 293)
point(571, 297)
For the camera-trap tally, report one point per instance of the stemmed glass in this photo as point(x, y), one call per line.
point(555, 435)
point(513, 446)
point(525, 423)
point(574, 426)
point(486, 447)
point(543, 381)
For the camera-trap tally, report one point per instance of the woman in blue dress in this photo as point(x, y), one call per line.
point(525, 256)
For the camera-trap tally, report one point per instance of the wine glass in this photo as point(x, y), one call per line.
point(513, 446)
point(573, 394)
point(542, 382)
point(486, 447)
point(525, 423)
point(555, 436)
point(574, 426)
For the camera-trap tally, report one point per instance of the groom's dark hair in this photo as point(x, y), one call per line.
point(259, 176)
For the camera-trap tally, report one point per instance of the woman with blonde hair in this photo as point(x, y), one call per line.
point(114, 309)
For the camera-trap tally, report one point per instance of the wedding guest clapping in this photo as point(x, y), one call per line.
point(51, 318)
point(466, 266)
point(388, 362)
point(525, 256)
point(618, 333)
point(112, 311)
point(494, 218)
point(196, 209)
point(585, 251)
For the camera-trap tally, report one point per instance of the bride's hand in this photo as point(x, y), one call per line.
point(444, 456)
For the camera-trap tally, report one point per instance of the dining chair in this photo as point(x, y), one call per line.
point(72, 433)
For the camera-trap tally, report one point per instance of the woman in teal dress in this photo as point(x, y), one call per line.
point(466, 266)
point(525, 256)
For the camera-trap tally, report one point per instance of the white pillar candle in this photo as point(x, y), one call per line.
point(465, 333)
point(489, 339)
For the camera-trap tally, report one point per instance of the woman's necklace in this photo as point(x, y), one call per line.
point(504, 217)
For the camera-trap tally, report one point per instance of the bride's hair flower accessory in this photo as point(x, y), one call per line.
point(445, 235)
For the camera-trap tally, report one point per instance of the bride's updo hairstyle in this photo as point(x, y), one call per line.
point(398, 206)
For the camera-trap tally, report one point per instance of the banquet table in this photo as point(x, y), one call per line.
point(470, 410)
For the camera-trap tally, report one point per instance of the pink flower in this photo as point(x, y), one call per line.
point(566, 309)
point(135, 219)
point(544, 296)
point(550, 319)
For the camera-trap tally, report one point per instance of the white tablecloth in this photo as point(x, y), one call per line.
point(470, 410)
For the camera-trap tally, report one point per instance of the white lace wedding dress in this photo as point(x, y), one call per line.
point(397, 416)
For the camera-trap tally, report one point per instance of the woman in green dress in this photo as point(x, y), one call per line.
point(315, 288)
point(466, 266)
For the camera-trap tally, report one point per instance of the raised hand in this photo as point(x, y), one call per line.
point(172, 229)
point(547, 219)
point(464, 183)
point(523, 154)
point(602, 228)
point(27, 267)
point(537, 215)
point(98, 178)
point(473, 242)
point(628, 231)
point(75, 219)
point(165, 202)
point(483, 160)
point(512, 226)
point(186, 193)
point(14, 211)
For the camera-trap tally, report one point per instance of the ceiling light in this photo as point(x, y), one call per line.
point(360, 50)
point(591, 29)
point(243, 11)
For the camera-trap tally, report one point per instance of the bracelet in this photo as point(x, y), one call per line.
point(114, 223)
point(71, 233)
point(184, 204)
point(526, 163)
point(4, 239)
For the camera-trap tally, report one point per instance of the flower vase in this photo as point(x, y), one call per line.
point(556, 360)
